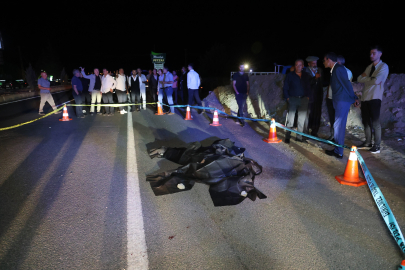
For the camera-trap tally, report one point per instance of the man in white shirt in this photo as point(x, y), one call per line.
point(373, 78)
point(329, 103)
point(107, 86)
point(94, 89)
point(193, 84)
point(121, 89)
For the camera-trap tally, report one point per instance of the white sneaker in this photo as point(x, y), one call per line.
point(124, 111)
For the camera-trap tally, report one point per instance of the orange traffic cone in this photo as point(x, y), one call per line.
point(188, 114)
point(160, 111)
point(402, 265)
point(272, 133)
point(215, 120)
point(351, 175)
point(65, 116)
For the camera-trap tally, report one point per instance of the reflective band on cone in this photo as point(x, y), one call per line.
point(160, 111)
point(272, 133)
point(215, 120)
point(351, 175)
point(65, 116)
point(188, 114)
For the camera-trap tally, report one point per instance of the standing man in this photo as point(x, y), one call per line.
point(240, 82)
point(153, 84)
point(44, 86)
point(107, 86)
point(373, 78)
point(329, 103)
point(313, 119)
point(174, 86)
point(167, 81)
point(296, 91)
point(182, 91)
point(121, 89)
point(193, 84)
point(135, 89)
point(343, 98)
point(77, 92)
point(94, 89)
point(142, 86)
point(85, 95)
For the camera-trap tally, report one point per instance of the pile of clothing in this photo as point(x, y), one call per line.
point(221, 165)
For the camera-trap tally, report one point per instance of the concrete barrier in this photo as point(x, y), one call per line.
point(24, 93)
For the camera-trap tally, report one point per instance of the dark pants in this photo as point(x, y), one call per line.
point(78, 101)
point(315, 108)
point(153, 92)
point(108, 99)
point(86, 97)
point(300, 104)
point(331, 113)
point(342, 109)
point(136, 98)
point(193, 94)
point(180, 93)
point(174, 95)
point(122, 97)
point(241, 100)
point(370, 114)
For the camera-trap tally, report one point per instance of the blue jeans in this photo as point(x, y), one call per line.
point(78, 101)
point(169, 94)
point(342, 109)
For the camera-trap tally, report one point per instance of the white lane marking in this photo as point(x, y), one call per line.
point(137, 255)
point(28, 98)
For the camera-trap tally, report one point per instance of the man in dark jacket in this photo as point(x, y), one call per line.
point(313, 119)
point(296, 91)
point(153, 84)
point(343, 98)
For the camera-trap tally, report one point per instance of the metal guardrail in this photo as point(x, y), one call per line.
point(254, 73)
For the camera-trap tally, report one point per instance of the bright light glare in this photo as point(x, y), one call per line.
point(246, 66)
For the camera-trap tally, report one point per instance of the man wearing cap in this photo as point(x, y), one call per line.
point(313, 118)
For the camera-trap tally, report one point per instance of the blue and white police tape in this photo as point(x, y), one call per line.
point(382, 205)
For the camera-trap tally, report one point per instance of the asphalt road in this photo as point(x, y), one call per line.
point(73, 195)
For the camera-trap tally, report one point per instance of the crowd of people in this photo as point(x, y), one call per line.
point(164, 86)
point(303, 91)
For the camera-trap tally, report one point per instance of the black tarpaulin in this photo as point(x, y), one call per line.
point(221, 165)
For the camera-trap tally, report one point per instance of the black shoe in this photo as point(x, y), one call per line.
point(364, 145)
point(375, 149)
point(201, 111)
point(91, 114)
point(301, 140)
point(332, 153)
point(287, 137)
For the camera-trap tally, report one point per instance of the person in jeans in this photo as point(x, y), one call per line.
point(174, 86)
point(296, 91)
point(44, 86)
point(166, 80)
point(329, 103)
point(240, 83)
point(107, 86)
point(77, 92)
point(94, 89)
point(121, 89)
point(343, 98)
point(373, 78)
point(193, 84)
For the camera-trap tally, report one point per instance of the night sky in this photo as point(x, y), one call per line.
point(118, 34)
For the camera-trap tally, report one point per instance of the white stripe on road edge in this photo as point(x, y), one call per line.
point(29, 98)
point(137, 255)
